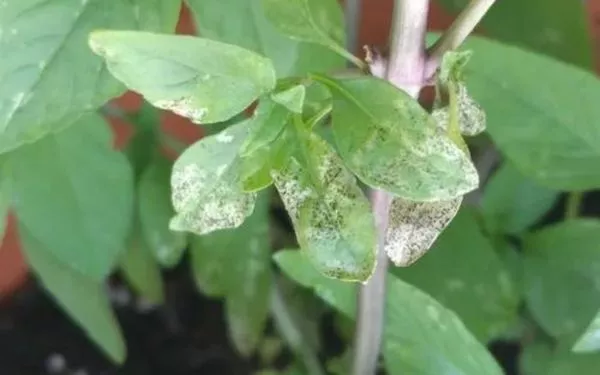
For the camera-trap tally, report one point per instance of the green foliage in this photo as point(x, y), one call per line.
point(539, 358)
point(477, 286)
point(562, 278)
point(49, 75)
point(187, 75)
point(589, 341)
point(247, 26)
point(512, 203)
point(235, 264)
point(538, 128)
point(421, 336)
point(142, 272)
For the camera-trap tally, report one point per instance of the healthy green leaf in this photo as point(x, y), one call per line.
point(512, 203)
point(332, 218)
point(421, 337)
point(388, 140)
point(142, 272)
point(562, 276)
point(557, 28)
point(57, 196)
point(48, 75)
point(314, 21)
point(203, 80)
point(540, 359)
point(590, 340)
point(245, 25)
point(206, 190)
point(235, 263)
point(292, 98)
point(544, 127)
point(82, 297)
point(155, 210)
point(478, 288)
point(266, 125)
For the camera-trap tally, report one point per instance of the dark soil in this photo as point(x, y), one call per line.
point(186, 337)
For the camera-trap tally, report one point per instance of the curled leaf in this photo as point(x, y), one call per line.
point(206, 192)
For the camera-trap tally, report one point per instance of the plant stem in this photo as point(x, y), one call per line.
point(573, 205)
point(460, 29)
point(406, 71)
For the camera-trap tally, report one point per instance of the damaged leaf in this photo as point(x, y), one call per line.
point(388, 140)
point(203, 80)
point(331, 216)
point(206, 190)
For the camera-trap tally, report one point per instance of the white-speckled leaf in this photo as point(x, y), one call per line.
point(414, 226)
point(206, 192)
point(332, 217)
point(201, 79)
point(391, 143)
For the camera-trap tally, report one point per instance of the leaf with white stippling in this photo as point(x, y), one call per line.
point(201, 79)
point(331, 216)
point(388, 140)
point(206, 190)
point(414, 226)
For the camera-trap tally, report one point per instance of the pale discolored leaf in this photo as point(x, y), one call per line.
point(82, 297)
point(48, 75)
point(414, 226)
point(235, 264)
point(388, 140)
point(315, 21)
point(243, 22)
point(200, 79)
point(420, 336)
point(590, 340)
point(206, 191)
point(73, 193)
point(331, 216)
point(155, 210)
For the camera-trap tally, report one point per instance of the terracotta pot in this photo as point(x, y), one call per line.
point(374, 29)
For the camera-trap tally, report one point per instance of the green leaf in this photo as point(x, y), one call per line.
point(266, 125)
point(590, 340)
point(314, 21)
point(332, 218)
point(203, 80)
point(142, 272)
point(541, 113)
point(206, 190)
point(292, 98)
point(74, 195)
point(245, 25)
point(48, 75)
point(155, 210)
point(235, 263)
point(5, 203)
point(540, 359)
point(479, 288)
point(512, 203)
point(388, 140)
point(557, 28)
point(82, 297)
point(141, 148)
point(420, 335)
point(561, 277)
